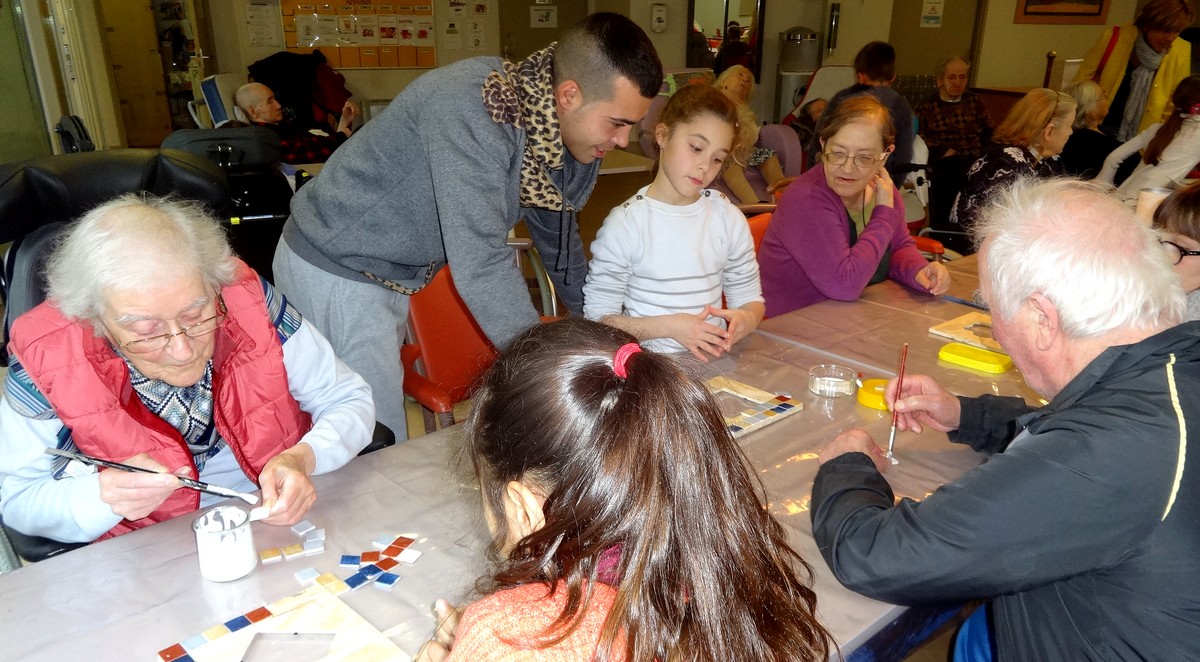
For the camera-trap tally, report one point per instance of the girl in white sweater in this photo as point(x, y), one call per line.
point(1172, 148)
point(663, 259)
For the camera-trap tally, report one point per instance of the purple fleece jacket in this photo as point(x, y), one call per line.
point(806, 256)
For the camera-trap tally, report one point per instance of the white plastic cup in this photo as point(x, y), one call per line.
point(225, 544)
point(1148, 200)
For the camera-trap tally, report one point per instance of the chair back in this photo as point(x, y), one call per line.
point(758, 228)
point(218, 91)
point(454, 352)
point(260, 196)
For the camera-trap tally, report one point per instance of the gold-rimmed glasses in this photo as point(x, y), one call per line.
point(861, 161)
point(197, 330)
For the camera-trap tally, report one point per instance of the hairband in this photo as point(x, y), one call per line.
point(627, 350)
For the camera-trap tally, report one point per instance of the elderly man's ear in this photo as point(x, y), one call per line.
point(1044, 317)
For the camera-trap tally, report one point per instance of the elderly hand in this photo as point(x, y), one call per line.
point(883, 188)
point(286, 489)
point(935, 278)
point(697, 335)
point(438, 648)
point(923, 403)
point(136, 495)
point(855, 441)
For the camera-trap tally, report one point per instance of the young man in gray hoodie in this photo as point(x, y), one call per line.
point(441, 176)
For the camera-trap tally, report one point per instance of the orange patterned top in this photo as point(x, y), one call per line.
point(507, 625)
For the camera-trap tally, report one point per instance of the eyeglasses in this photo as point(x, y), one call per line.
point(197, 330)
point(1175, 252)
point(862, 161)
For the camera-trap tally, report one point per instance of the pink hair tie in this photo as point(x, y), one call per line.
point(627, 350)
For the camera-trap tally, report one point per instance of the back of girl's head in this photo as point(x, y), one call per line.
point(692, 101)
point(643, 464)
point(1180, 212)
point(1186, 97)
point(1031, 115)
point(863, 107)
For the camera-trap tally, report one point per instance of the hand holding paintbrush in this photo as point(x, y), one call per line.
point(185, 481)
point(895, 414)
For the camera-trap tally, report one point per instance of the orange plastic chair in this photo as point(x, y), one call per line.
point(931, 246)
point(758, 228)
point(446, 353)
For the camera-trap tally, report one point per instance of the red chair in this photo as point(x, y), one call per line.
point(758, 227)
point(446, 353)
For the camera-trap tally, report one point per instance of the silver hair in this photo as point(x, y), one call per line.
point(131, 241)
point(1086, 94)
point(941, 67)
point(1084, 250)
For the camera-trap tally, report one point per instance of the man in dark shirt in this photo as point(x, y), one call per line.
point(299, 144)
point(875, 69)
point(956, 128)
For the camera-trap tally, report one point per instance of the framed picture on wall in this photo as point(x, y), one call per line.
point(1062, 12)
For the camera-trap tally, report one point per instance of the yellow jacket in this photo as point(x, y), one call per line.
point(1176, 65)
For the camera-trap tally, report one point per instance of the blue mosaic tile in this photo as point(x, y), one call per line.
point(238, 623)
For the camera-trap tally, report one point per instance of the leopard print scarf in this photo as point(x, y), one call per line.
point(523, 95)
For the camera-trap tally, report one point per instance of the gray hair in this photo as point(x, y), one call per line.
point(940, 71)
point(130, 241)
point(1082, 249)
point(1086, 94)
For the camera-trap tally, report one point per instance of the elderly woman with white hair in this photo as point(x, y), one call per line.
point(1083, 155)
point(159, 349)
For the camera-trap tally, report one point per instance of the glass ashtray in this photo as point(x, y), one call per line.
point(830, 380)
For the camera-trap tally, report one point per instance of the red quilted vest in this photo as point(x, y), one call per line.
point(89, 387)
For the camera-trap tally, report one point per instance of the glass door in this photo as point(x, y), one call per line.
point(25, 133)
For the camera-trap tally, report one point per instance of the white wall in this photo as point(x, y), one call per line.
point(1014, 55)
point(230, 40)
point(671, 44)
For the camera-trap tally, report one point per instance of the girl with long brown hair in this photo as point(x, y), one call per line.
point(1172, 148)
point(625, 520)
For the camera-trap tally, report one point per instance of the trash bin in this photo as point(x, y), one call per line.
point(800, 50)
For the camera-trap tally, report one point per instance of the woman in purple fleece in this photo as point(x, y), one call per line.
point(840, 226)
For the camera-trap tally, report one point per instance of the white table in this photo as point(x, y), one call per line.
point(130, 597)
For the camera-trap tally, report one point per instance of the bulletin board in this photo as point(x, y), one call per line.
point(366, 33)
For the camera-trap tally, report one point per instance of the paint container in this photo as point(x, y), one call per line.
point(831, 381)
point(225, 544)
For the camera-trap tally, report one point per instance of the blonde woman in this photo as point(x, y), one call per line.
point(738, 84)
point(1035, 130)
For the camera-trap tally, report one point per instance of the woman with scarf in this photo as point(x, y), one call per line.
point(1138, 65)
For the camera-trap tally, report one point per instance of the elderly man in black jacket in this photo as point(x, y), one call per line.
point(1080, 531)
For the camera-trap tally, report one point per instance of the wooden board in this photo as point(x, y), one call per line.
point(312, 611)
point(974, 329)
point(765, 408)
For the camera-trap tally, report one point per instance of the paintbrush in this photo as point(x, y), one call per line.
point(184, 480)
point(896, 414)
